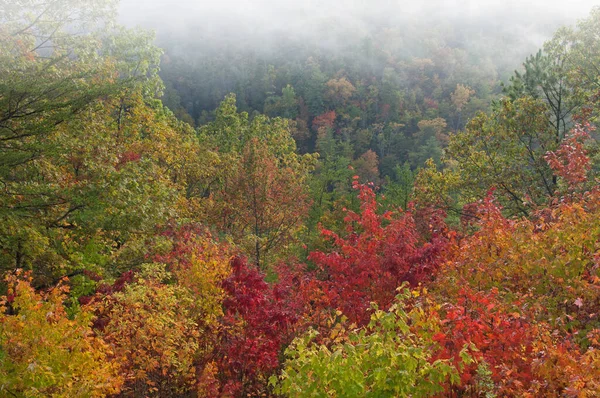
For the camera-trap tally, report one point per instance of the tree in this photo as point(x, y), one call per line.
point(339, 91)
point(85, 170)
point(505, 150)
point(398, 188)
point(391, 356)
point(434, 127)
point(545, 77)
point(255, 327)
point(285, 106)
point(501, 339)
point(367, 167)
point(50, 73)
point(152, 332)
point(526, 296)
point(45, 351)
point(461, 96)
point(578, 52)
point(375, 255)
point(262, 199)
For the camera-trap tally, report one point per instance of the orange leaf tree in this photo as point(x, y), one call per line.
point(45, 352)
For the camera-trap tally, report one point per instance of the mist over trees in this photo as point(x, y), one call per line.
point(381, 68)
point(299, 198)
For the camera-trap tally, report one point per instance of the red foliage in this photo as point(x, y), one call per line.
point(570, 160)
point(431, 103)
point(126, 157)
point(104, 289)
point(378, 253)
point(255, 328)
point(326, 119)
point(118, 285)
point(302, 291)
point(92, 275)
point(187, 240)
point(485, 212)
point(504, 340)
point(385, 112)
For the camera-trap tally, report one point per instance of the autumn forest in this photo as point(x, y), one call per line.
point(404, 208)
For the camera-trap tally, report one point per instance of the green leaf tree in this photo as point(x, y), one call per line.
point(390, 357)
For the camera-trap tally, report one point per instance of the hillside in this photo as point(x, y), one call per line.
point(381, 205)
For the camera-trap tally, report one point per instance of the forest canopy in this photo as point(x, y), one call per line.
point(365, 209)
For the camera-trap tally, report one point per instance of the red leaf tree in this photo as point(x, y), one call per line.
point(378, 253)
point(255, 328)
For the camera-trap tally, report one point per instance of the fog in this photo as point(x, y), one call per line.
point(215, 47)
point(259, 18)
point(515, 28)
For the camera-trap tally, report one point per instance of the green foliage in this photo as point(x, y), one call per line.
point(285, 105)
point(484, 383)
point(505, 150)
point(398, 190)
point(259, 199)
point(93, 163)
point(389, 357)
point(545, 78)
point(580, 55)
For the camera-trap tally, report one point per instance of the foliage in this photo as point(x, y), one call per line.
point(261, 198)
point(376, 254)
point(571, 161)
point(152, 221)
point(545, 78)
point(200, 264)
point(391, 356)
point(503, 340)
point(44, 352)
point(255, 328)
point(505, 150)
point(580, 60)
point(91, 161)
point(153, 335)
point(371, 92)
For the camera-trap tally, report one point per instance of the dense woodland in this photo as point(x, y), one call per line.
point(405, 216)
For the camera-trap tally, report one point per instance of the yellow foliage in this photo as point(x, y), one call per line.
point(207, 268)
point(153, 335)
point(43, 353)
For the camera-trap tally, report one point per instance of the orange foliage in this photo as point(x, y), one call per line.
point(46, 352)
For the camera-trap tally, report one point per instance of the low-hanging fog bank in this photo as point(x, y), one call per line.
point(259, 19)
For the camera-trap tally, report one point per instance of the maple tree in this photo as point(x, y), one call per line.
point(376, 254)
point(254, 329)
point(547, 284)
point(570, 161)
point(325, 120)
point(500, 339)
